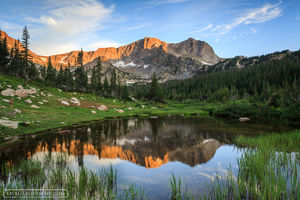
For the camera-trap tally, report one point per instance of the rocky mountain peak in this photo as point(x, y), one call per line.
point(149, 43)
point(196, 49)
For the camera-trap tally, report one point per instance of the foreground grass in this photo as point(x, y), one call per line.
point(53, 114)
point(264, 173)
point(286, 141)
point(53, 172)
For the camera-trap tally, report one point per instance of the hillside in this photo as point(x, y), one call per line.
point(39, 108)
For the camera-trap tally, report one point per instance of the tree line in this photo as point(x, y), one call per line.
point(275, 82)
point(18, 62)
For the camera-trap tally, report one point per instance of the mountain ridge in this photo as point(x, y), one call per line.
point(108, 53)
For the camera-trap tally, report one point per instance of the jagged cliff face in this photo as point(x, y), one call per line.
point(142, 58)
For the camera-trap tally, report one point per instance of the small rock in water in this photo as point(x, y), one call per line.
point(34, 106)
point(94, 112)
point(59, 90)
point(130, 108)
point(40, 103)
point(64, 131)
point(45, 101)
point(32, 96)
point(6, 100)
point(20, 86)
point(19, 98)
point(143, 106)
point(244, 119)
point(9, 86)
point(65, 103)
point(62, 122)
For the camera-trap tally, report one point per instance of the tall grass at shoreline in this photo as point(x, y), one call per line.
point(268, 168)
point(264, 171)
point(54, 173)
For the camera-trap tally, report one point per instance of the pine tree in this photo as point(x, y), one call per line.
point(16, 67)
point(25, 42)
point(155, 92)
point(4, 55)
point(68, 77)
point(81, 79)
point(125, 93)
point(50, 74)
point(113, 83)
point(32, 72)
point(43, 73)
point(60, 78)
point(96, 84)
point(106, 87)
point(80, 58)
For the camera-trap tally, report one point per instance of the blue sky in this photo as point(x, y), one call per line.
point(231, 27)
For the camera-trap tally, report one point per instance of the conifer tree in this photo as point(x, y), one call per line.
point(155, 92)
point(113, 83)
point(106, 87)
point(16, 67)
point(25, 42)
point(96, 83)
point(81, 79)
point(50, 74)
point(60, 78)
point(43, 73)
point(4, 55)
point(68, 77)
point(125, 92)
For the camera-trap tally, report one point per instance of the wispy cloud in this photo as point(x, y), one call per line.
point(253, 30)
point(259, 15)
point(153, 3)
point(209, 26)
point(67, 24)
point(140, 26)
point(254, 16)
point(160, 2)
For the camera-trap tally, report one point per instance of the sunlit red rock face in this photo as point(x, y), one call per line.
point(188, 48)
point(105, 54)
point(110, 53)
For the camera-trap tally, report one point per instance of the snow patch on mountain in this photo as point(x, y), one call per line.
point(122, 64)
point(206, 63)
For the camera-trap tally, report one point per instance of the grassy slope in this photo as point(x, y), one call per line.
point(52, 114)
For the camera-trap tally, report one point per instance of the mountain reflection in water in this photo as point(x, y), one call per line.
point(144, 152)
point(145, 142)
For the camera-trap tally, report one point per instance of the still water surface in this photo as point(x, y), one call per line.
point(147, 151)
